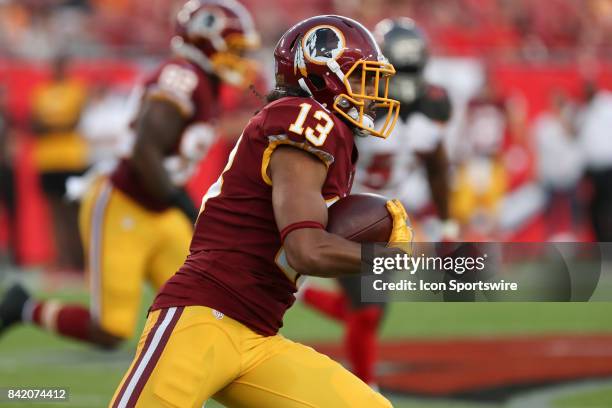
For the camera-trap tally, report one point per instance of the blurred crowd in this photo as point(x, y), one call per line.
point(506, 28)
point(511, 164)
point(545, 177)
point(531, 28)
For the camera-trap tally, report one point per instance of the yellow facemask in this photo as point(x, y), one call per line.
point(360, 100)
point(231, 66)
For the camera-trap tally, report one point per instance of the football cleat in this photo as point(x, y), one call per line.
point(11, 307)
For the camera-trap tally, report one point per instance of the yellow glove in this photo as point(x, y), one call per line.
point(401, 234)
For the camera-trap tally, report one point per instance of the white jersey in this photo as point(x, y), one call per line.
point(392, 168)
point(595, 132)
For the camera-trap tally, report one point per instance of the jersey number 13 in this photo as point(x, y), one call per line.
point(317, 135)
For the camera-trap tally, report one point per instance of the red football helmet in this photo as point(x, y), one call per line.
point(215, 34)
point(328, 56)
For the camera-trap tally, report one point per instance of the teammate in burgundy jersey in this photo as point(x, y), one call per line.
point(136, 223)
point(261, 226)
point(184, 86)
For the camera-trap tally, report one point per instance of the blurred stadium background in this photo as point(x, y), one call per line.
point(530, 145)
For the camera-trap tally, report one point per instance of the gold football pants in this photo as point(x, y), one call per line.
point(125, 246)
point(187, 355)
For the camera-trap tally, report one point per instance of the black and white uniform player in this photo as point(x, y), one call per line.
point(385, 167)
point(412, 163)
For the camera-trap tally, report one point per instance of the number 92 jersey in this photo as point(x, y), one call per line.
point(237, 264)
point(186, 86)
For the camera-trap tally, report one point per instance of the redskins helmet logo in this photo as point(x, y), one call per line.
point(319, 45)
point(206, 23)
point(323, 43)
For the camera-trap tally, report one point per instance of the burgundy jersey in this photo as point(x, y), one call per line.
point(237, 264)
point(187, 86)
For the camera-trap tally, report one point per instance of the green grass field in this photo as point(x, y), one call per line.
point(32, 358)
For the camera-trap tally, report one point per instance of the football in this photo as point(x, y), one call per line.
point(361, 218)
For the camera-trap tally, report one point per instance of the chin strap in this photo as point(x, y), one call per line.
point(367, 121)
point(335, 68)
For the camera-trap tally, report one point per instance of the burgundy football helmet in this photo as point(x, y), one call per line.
point(337, 61)
point(215, 34)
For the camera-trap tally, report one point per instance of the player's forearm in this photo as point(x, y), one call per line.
point(148, 164)
point(316, 252)
point(159, 127)
point(437, 174)
point(440, 193)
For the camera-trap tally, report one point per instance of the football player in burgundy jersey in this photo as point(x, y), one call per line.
point(387, 168)
point(212, 331)
point(136, 223)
